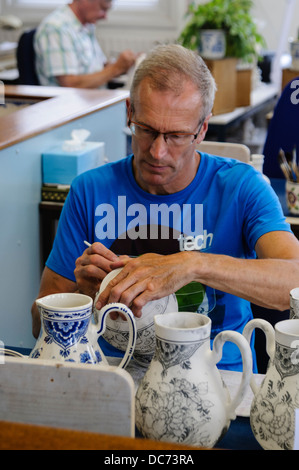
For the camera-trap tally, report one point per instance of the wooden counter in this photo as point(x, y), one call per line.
point(55, 106)
point(14, 436)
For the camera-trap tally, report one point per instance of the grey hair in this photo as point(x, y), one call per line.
point(167, 66)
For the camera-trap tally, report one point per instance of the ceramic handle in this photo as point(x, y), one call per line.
point(268, 329)
point(246, 353)
point(123, 309)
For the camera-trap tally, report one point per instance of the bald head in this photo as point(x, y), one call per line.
point(90, 11)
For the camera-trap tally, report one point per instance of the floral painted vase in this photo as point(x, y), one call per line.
point(68, 334)
point(182, 397)
point(117, 331)
point(272, 414)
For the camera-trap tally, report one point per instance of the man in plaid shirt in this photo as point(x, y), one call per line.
point(67, 51)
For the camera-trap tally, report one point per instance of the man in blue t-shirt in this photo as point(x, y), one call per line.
point(175, 218)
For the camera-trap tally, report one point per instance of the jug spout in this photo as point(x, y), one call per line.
point(40, 303)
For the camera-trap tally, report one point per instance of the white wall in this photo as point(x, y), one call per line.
point(140, 33)
point(269, 15)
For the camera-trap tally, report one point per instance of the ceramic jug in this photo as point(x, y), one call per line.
point(272, 414)
point(294, 303)
point(182, 397)
point(116, 332)
point(68, 333)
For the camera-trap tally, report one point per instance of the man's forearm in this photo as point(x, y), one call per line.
point(91, 80)
point(265, 282)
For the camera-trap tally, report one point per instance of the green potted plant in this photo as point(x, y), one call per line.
point(234, 18)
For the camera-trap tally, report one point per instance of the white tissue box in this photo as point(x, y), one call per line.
point(61, 166)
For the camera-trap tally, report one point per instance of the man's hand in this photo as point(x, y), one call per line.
point(125, 61)
point(92, 267)
point(148, 277)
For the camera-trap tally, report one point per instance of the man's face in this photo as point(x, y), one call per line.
point(160, 167)
point(91, 11)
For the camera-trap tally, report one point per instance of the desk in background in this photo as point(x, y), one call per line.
point(287, 76)
point(263, 99)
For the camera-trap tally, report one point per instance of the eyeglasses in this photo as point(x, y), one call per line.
point(172, 139)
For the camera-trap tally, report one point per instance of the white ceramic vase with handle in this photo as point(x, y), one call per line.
point(272, 414)
point(182, 397)
point(117, 330)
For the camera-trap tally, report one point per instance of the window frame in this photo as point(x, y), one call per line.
point(164, 14)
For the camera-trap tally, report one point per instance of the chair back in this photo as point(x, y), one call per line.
point(26, 59)
point(225, 149)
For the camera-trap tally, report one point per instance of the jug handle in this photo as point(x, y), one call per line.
point(101, 327)
point(268, 329)
point(240, 341)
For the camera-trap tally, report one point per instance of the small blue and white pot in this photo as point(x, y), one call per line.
point(68, 335)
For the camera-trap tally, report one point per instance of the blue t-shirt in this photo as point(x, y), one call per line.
point(227, 207)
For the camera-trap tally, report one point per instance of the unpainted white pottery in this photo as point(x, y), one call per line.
point(182, 397)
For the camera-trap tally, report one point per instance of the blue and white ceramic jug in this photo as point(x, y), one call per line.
point(68, 334)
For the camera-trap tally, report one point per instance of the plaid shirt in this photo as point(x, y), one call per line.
point(64, 46)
